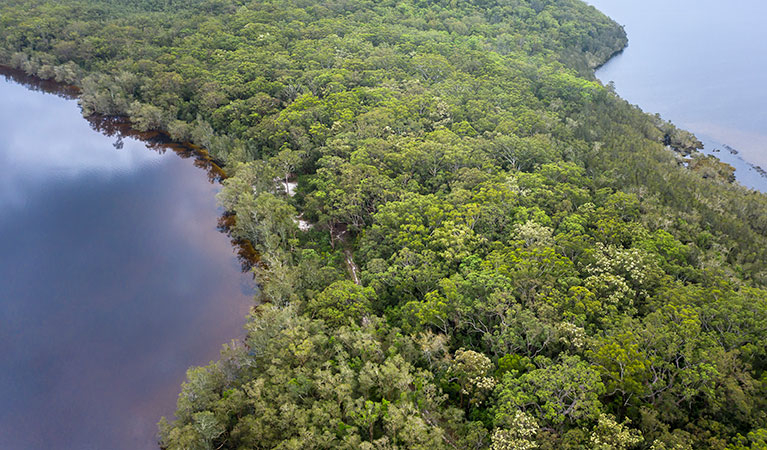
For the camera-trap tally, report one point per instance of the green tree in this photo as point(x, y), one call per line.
point(341, 302)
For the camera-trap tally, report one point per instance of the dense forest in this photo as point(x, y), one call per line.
point(464, 240)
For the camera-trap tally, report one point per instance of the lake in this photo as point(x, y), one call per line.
point(114, 278)
point(701, 65)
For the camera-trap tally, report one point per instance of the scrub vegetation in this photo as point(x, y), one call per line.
point(485, 248)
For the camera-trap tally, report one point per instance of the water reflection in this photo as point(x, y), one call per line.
point(36, 151)
point(20, 77)
point(113, 276)
point(120, 129)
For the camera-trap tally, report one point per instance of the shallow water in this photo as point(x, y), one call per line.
point(701, 65)
point(113, 277)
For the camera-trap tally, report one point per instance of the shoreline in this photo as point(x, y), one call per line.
point(120, 126)
point(750, 166)
point(117, 250)
point(612, 56)
point(749, 172)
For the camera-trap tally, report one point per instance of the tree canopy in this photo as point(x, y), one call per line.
point(465, 241)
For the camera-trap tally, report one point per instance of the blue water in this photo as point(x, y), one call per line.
point(699, 64)
point(113, 279)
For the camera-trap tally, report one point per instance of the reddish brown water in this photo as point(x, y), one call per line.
point(113, 276)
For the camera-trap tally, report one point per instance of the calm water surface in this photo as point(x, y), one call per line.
point(113, 279)
point(701, 65)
